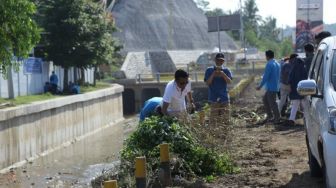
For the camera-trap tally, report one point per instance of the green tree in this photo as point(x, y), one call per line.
point(79, 34)
point(264, 36)
point(286, 47)
point(215, 12)
point(18, 32)
point(251, 37)
point(268, 29)
point(250, 14)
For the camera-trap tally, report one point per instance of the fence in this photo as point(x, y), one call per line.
point(196, 72)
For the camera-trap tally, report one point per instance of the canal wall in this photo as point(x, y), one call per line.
point(29, 131)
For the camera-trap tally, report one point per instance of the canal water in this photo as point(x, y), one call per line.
point(75, 165)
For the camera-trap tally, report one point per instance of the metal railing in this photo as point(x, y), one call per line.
point(166, 77)
point(196, 72)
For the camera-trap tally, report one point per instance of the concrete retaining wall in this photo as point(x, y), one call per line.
point(29, 131)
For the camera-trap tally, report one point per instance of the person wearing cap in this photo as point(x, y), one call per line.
point(151, 107)
point(217, 78)
point(271, 81)
point(175, 94)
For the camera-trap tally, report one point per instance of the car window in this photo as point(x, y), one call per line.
point(315, 65)
point(333, 70)
point(319, 79)
point(317, 71)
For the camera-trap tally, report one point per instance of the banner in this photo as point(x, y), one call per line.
point(224, 23)
point(309, 22)
point(32, 65)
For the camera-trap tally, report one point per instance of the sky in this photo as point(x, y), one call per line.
point(283, 10)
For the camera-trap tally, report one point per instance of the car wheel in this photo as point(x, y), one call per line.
point(315, 169)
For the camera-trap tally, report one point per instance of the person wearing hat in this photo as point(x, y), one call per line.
point(217, 78)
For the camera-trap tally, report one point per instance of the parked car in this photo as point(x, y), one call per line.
point(320, 111)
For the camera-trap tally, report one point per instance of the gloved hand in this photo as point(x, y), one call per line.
point(191, 108)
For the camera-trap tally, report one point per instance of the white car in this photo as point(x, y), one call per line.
point(320, 111)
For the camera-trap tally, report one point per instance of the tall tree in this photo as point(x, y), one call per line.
point(18, 35)
point(79, 34)
point(215, 12)
point(268, 29)
point(250, 14)
point(18, 32)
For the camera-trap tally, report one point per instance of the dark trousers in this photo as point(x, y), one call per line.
point(54, 88)
point(270, 105)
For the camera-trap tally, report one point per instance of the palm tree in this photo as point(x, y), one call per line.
point(250, 16)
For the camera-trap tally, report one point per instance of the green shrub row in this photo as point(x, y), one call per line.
point(194, 159)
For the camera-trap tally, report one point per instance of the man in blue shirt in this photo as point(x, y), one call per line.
point(53, 82)
point(152, 106)
point(217, 77)
point(271, 81)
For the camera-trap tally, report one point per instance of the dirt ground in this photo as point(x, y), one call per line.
point(268, 155)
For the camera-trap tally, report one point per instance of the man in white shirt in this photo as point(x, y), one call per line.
point(175, 93)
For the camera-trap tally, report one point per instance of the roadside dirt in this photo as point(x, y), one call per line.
point(268, 155)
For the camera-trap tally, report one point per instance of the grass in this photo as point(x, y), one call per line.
point(20, 100)
point(235, 92)
point(27, 99)
point(99, 85)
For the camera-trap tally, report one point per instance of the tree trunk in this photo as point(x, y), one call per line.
point(95, 75)
point(82, 79)
point(65, 81)
point(10, 83)
point(75, 75)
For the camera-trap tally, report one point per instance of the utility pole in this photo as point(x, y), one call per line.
point(218, 32)
point(308, 22)
point(170, 25)
point(242, 36)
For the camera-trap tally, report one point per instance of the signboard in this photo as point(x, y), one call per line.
point(225, 23)
point(309, 22)
point(32, 65)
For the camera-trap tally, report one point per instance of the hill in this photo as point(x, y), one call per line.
point(164, 25)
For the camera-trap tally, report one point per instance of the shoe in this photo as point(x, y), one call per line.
point(277, 122)
point(288, 123)
point(267, 120)
point(299, 114)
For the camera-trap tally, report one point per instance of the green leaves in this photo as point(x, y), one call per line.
point(193, 157)
point(79, 33)
point(18, 32)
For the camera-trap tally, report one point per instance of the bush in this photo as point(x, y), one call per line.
point(193, 157)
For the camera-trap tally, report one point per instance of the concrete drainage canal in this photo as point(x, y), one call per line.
point(75, 165)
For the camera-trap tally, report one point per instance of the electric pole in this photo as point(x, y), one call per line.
point(242, 36)
point(308, 22)
point(170, 25)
